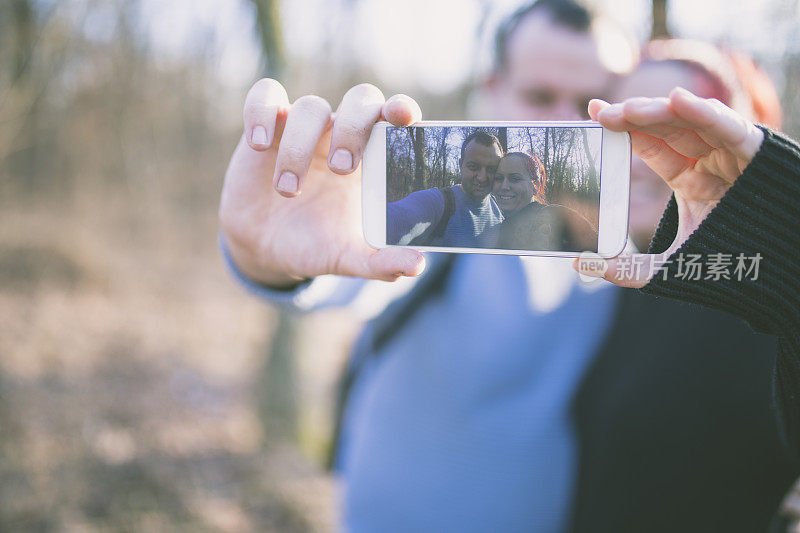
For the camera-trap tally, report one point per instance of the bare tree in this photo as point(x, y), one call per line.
point(660, 29)
point(441, 176)
point(417, 139)
point(546, 161)
point(502, 135)
point(269, 32)
point(588, 152)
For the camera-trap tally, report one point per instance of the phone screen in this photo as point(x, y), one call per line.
point(508, 188)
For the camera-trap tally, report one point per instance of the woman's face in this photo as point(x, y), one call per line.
point(513, 185)
point(649, 193)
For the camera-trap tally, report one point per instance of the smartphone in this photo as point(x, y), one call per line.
point(519, 188)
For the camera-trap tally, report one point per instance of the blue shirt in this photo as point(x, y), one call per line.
point(462, 422)
point(418, 214)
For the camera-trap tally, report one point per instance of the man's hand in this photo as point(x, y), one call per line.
point(699, 147)
point(291, 202)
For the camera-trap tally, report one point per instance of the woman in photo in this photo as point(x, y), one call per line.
point(530, 222)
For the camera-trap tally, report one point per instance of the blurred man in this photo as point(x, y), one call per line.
point(498, 394)
point(452, 216)
point(550, 59)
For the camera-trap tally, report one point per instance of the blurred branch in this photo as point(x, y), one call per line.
point(40, 49)
point(23, 25)
point(26, 38)
point(269, 31)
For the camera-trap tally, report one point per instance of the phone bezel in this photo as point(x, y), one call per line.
point(614, 188)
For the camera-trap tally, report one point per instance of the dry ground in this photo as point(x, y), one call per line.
point(133, 374)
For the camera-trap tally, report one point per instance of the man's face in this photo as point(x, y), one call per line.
point(478, 166)
point(551, 74)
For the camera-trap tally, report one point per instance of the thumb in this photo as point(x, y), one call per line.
point(386, 264)
point(626, 270)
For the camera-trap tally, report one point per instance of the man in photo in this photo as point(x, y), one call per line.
point(452, 216)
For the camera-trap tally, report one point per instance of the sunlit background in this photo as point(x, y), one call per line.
point(140, 387)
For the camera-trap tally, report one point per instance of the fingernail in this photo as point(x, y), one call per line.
point(287, 183)
point(342, 160)
point(259, 136)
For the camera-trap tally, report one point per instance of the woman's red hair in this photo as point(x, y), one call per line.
point(732, 77)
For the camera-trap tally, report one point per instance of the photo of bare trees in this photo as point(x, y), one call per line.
point(419, 158)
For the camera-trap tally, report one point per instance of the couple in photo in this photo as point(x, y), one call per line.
point(501, 203)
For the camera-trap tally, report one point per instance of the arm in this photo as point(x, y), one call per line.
point(416, 214)
point(309, 295)
point(736, 190)
point(363, 298)
point(758, 215)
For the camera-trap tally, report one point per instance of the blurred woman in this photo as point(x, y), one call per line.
point(709, 72)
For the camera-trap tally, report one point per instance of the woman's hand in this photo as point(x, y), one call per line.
point(699, 148)
point(291, 202)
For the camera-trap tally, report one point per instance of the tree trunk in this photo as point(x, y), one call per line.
point(277, 399)
point(502, 135)
point(441, 179)
point(546, 160)
point(278, 402)
point(418, 134)
point(23, 27)
point(269, 31)
point(660, 29)
point(589, 157)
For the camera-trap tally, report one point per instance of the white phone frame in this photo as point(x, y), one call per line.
point(614, 188)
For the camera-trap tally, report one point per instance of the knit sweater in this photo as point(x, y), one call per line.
point(758, 215)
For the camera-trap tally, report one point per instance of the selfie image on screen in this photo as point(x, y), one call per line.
point(509, 188)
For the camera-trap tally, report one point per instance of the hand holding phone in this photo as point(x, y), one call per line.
point(522, 188)
point(290, 204)
point(698, 146)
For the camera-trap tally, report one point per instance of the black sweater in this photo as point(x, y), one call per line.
point(677, 431)
point(677, 416)
point(760, 214)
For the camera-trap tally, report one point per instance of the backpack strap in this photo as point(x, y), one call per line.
point(379, 332)
point(449, 209)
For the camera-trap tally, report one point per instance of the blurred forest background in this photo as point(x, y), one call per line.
point(140, 388)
